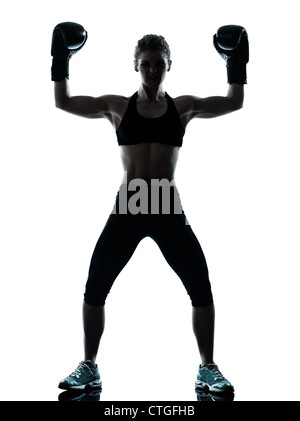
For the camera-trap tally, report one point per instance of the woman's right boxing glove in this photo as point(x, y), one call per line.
point(231, 42)
point(67, 39)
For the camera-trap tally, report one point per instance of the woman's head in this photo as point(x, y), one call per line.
point(152, 59)
point(152, 43)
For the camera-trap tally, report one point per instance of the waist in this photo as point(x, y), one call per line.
point(154, 197)
point(151, 178)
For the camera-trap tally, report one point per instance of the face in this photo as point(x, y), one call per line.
point(153, 66)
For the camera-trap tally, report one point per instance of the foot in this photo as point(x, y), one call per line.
point(209, 377)
point(85, 375)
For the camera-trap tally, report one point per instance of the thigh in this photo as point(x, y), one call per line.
point(183, 252)
point(112, 252)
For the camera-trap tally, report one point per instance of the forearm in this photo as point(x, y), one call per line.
point(61, 93)
point(235, 95)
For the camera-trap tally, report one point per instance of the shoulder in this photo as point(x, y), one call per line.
point(185, 101)
point(185, 105)
point(114, 101)
point(116, 106)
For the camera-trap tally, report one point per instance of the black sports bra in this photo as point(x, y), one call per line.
point(135, 128)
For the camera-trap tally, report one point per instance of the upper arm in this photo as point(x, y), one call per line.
point(90, 107)
point(105, 106)
point(195, 107)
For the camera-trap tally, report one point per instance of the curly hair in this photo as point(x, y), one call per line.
point(151, 43)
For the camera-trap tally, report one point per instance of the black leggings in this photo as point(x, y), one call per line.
point(176, 240)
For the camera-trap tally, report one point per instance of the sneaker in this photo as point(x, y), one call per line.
point(209, 377)
point(84, 376)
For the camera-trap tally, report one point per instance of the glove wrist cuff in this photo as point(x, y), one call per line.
point(60, 69)
point(236, 73)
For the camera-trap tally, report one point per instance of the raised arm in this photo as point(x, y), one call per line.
point(67, 39)
point(231, 42)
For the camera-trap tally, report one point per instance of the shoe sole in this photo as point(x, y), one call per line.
point(205, 386)
point(94, 384)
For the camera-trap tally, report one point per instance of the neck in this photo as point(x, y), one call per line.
point(151, 94)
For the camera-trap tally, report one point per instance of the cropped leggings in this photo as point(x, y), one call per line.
point(176, 240)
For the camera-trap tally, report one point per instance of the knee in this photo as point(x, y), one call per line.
point(202, 301)
point(91, 301)
point(94, 295)
point(202, 297)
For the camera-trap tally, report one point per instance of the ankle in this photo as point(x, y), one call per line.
point(91, 363)
point(207, 362)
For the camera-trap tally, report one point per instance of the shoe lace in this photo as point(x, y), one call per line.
point(77, 372)
point(216, 373)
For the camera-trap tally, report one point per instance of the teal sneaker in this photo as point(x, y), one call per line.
point(209, 377)
point(84, 376)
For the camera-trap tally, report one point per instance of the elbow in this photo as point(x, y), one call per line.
point(60, 104)
point(58, 101)
point(239, 106)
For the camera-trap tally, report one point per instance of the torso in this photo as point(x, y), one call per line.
point(147, 161)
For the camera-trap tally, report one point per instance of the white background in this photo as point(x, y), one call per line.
point(238, 177)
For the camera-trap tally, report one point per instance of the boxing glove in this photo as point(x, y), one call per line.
point(231, 42)
point(67, 39)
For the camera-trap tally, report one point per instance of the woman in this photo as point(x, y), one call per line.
point(150, 126)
